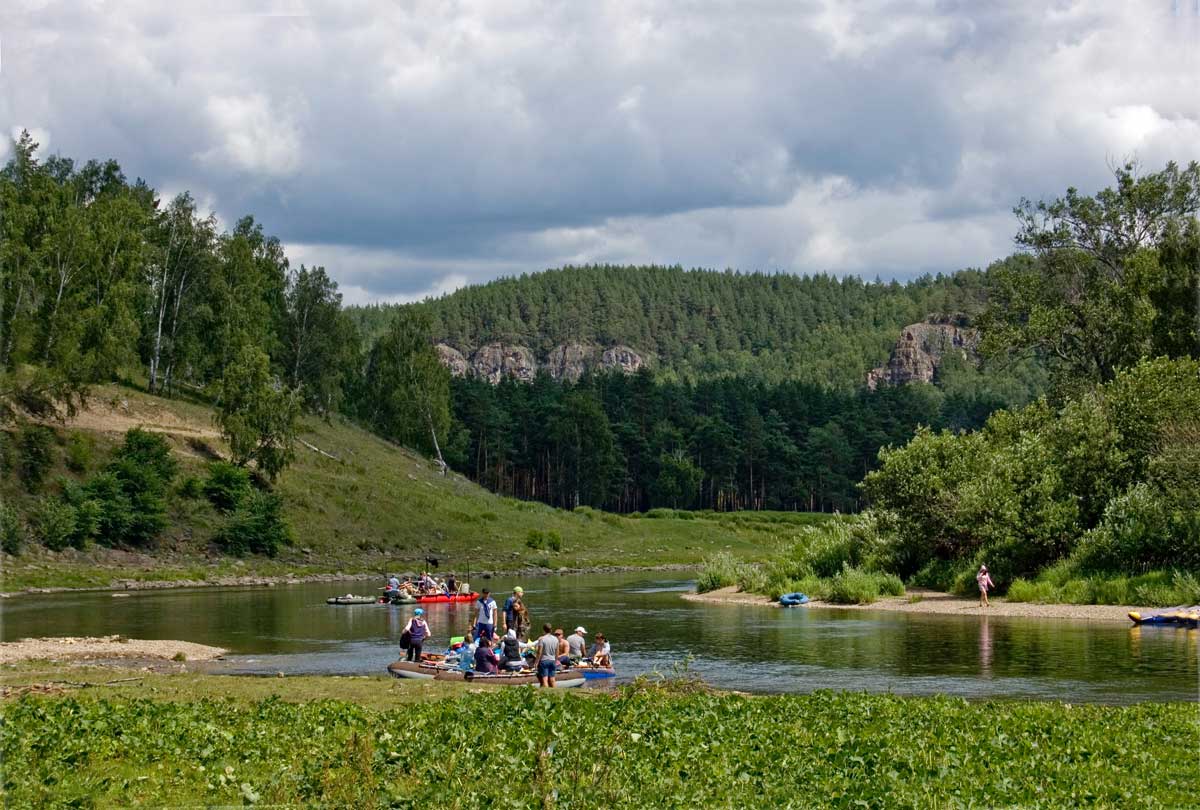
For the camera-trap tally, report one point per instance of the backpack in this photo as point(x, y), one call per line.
point(405, 640)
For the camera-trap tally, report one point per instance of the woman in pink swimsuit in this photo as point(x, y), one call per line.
point(984, 580)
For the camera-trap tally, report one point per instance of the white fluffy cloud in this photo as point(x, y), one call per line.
point(415, 146)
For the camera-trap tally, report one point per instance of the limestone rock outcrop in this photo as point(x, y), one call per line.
point(621, 358)
point(452, 359)
point(495, 361)
point(919, 352)
point(570, 361)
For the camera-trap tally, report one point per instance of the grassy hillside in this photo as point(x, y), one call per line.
point(372, 506)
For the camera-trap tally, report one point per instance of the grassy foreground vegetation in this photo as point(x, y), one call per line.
point(660, 744)
point(372, 506)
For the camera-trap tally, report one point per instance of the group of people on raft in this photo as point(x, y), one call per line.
point(484, 650)
point(424, 585)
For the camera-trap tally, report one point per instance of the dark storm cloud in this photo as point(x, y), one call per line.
point(411, 147)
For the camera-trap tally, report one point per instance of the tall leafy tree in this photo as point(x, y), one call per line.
point(406, 389)
point(257, 413)
point(1109, 278)
point(319, 344)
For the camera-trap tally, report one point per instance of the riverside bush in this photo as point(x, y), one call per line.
point(544, 540)
point(256, 526)
point(1155, 589)
point(1112, 475)
point(12, 533)
point(642, 746)
point(53, 523)
point(35, 447)
point(79, 451)
point(226, 486)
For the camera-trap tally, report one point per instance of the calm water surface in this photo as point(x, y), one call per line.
point(291, 629)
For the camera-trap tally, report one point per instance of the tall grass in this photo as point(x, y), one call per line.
point(1155, 589)
point(836, 561)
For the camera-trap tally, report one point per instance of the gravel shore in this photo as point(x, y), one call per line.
point(942, 603)
point(56, 649)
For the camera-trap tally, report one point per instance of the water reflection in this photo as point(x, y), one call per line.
point(291, 629)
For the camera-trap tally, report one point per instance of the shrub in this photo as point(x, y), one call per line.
point(723, 569)
point(151, 451)
point(227, 485)
point(79, 451)
point(257, 526)
point(12, 533)
point(549, 540)
point(34, 454)
point(853, 586)
point(53, 523)
point(146, 494)
point(114, 515)
point(190, 488)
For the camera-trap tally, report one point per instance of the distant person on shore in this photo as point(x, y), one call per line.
point(984, 580)
point(577, 644)
point(485, 621)
point(546, 654)
point(417, 631)
point(602, 652)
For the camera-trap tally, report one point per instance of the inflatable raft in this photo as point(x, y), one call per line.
point(430, 599)
point(430, 671)
point(1178, 617)
point(793, 600)
point(351, 599)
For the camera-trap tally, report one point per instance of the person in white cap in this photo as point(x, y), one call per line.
point(577, 644)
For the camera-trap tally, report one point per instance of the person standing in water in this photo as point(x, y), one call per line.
point(546, 653)
point(485, 622)
point(510, 608)
point(984, 580)
point(417, 631)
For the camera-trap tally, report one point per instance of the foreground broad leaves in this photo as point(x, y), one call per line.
point(643, 746)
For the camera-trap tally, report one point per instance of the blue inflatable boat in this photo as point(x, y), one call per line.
point(793, 600)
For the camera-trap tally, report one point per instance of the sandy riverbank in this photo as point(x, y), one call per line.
point(941, 603)
point(106, 647)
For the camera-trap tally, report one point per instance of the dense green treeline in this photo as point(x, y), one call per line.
point(1092, 491)
point(100, 278)
point(699, 324)
point(631, 443)
point(103, 280)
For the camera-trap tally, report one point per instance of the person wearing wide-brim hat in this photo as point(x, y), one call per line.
point(984, 580)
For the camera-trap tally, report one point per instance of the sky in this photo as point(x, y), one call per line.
point(415, 147)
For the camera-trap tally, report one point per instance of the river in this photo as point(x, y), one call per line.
point(290, 629)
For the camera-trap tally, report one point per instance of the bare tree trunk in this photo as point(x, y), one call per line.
point(441, 462)
point(162, 311)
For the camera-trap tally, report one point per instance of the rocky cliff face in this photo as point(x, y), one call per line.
point(570, 361)
point(495, 361)
point(622, 358)
point(452, 359)
point(921, 348)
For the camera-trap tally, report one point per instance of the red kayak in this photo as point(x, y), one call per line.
point(441, 597)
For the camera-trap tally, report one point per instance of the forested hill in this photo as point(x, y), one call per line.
point(696, 324)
